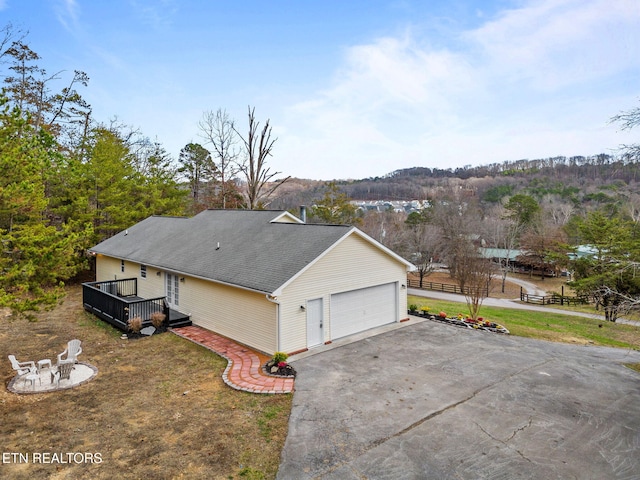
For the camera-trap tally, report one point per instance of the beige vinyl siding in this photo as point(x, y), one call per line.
point(354, 263)
point(153, 285)
point(247, 317)
point(108, 268)
point(286, 218)
point(244, 316)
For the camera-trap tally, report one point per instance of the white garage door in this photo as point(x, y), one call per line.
point(358, 310)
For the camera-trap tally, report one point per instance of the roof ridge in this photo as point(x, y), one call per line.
point(233, 247)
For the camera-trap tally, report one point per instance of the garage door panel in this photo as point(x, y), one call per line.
point(358, 310)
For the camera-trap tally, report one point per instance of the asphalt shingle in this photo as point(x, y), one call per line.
point(237, 247)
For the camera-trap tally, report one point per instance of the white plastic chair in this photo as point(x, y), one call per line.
point(72, 351)
point(23, 368)
point(63, 371)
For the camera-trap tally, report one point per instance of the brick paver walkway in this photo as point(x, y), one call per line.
point(244, 370)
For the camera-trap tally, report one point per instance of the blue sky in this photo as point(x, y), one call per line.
point(355, 88)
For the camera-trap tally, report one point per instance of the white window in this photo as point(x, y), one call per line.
point(143, 271)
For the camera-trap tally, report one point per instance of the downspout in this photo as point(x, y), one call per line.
point(274, 299)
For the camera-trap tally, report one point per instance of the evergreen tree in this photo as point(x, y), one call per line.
point(111, 184)
point(522, 209)
point(198, 168)
point(609, 275)
point(158, 192)
point(335, 207)
point(36, 255)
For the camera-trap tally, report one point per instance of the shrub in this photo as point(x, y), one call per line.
point(135, 324)
point(413, 307)
point(157, 319)
point(279, 357)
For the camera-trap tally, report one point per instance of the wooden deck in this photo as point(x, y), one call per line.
point(116, 301)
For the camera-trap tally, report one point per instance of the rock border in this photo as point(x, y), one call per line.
point(66, 386)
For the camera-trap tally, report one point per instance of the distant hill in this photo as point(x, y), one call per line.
point(581, 181)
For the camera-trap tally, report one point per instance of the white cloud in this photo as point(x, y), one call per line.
point(67, 14)
point(158, 14)
point(555, 43)
point(526, 85)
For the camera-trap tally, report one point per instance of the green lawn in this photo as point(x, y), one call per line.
point(546, 325)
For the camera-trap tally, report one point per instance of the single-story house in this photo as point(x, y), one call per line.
point(263, 278)
point(499, 255)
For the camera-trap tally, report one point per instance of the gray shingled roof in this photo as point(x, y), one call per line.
point(254, 253)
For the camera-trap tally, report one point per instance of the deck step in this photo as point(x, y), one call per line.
point(178, 319)
point(186, 322)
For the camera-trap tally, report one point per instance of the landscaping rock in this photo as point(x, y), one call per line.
point(148, 330)
point(283, 369)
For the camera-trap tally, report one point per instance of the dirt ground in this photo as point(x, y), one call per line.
point(512, 290)
point(158, 408)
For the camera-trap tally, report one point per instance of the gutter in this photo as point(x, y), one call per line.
point(273, 299)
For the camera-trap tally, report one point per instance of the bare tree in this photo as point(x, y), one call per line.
point(559, 211)
point(475, 275)
point(257, 147)
point(385, 227)
point(27, 87)
point(629, 120)
point(544, 249)
point(503, 233)
point(616, 303)
point(9, 35)
point(632, 208)
point(460, 225)
point(218, 130)
point(422, 243)
point(459, 221)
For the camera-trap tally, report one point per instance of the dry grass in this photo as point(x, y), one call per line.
point(157, 409)
point(512, 290)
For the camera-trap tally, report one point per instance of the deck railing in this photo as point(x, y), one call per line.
point(126, 287)
point(116, 301)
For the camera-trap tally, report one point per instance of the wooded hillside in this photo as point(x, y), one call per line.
point(583, 182)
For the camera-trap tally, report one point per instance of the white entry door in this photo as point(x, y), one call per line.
point(172, 289)
point(315, 335)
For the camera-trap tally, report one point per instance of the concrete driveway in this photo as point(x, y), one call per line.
point(433, 401)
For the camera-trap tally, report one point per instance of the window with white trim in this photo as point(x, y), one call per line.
point(143, 271)
point(122, 266)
